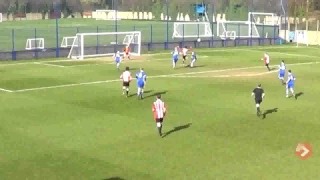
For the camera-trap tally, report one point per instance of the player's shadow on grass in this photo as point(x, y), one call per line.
point(299, 94)
point(114, 178)
point(269, 111)
point(176, 129)
point(154, 94)
point(145, 92)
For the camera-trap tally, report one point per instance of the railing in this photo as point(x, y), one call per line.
point(155, 35)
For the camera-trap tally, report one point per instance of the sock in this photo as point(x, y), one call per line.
point(258, 109)
point(287, 92)
point(159, 130)
point(292, 92)
point(127, 91)
point(141, 93)
point(138, 93)
point(123, 89)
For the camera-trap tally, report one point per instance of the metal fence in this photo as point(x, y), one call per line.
point(156, 33)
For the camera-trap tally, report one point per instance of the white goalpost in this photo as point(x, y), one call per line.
point(1, 17)
point(261, 18)
point(192, 30)
point(86, 45)
point(237, 29)
point(104, 14)
point(34, 43)
point(67, 41)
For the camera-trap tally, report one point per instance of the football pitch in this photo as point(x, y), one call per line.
point(68, 119)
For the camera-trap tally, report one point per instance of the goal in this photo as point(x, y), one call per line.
point(67, 41)
point(229, 35)
point(104, 14)
point(301, 37)
point(192, 30)
point(237, 29)
point(1, 17)
point(86, 45)
point(35, 43)
point(260, 18)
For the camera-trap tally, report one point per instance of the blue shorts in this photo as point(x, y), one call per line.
point(140, 85)
point(282, 73)
point(117, 61)
point(290, 85)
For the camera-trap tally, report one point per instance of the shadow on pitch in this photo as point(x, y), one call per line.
point(145, 92)
point(269, 111)
point(176, 129)
point(114, 178)
point(299, 94)
point(155, 94)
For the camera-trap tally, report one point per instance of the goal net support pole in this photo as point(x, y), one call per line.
point(86, 45)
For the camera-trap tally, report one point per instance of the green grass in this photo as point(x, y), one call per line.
point(91, 131)
point(14, 34)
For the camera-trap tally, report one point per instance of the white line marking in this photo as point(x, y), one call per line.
point(156, 76)
point(222, 49)
point(5, 90)
point(47, 64)
point(225, 76)
point(288, 54)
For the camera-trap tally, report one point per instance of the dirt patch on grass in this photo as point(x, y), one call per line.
point(233, 74)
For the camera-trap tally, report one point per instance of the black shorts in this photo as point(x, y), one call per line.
point(267, 64)
point(258, 101)
point(159, 120)
point(126, 84)
point(184, 57)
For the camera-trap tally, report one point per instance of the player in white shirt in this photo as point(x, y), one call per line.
point(184, 53)
point(175, 55)
point(193, 59)
point(126, 79)
point(117, 58)
point(282, 72)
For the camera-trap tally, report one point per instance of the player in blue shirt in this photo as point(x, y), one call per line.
point(193, 59)
point(117, 58)
point(290, 84)
point(282, 71)
point(175, 55)
point(141, 81)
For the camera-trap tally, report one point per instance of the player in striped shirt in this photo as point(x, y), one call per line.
point(141, 81)
point(193, 59)
point(266, 59)
point(126, 79)
point(117, 58)
point(184, 52)
point(159, 110)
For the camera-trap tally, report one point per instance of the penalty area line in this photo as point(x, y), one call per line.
point(47, 64)
point(149, 77)
point(225, 76)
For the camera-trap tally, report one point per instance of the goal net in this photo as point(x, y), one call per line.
point(107, 15)
point(67, 41)
point(260, 18)
point(191, 30)
point(35, 43)
point(301, 37)
point(237, 29)
point(86, 45)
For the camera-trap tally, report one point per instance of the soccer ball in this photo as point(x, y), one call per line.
point(199, 40)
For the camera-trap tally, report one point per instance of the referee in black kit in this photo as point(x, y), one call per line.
point(258, 94)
